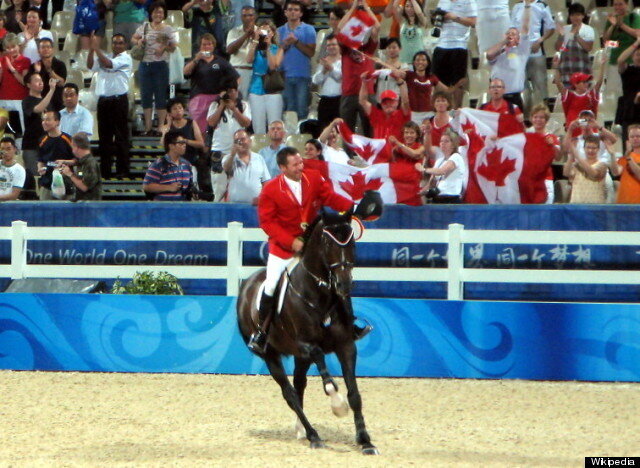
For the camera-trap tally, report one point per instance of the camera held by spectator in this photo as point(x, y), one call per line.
point(437, 18)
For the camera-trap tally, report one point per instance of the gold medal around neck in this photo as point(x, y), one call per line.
point(304, 226)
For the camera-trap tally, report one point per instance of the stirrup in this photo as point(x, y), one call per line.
point(258, 342)
point(361, 332)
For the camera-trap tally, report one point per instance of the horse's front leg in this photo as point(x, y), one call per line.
point(274, 363)
point(347, 356)
point(339, 405)
point(300, 384)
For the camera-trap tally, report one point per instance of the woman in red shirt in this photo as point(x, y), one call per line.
point(13, 67)
point(405, 154)
point(421, 83)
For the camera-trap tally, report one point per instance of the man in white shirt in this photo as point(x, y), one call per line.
point(450, 55)
point(12, 174)
point(508, 59)
point(112, 89)
point(328, 78)
point(73, 117)
point(541, 27)
point(277, 134)
point(247, 171)
point(493, 21)
point(238, 42)
point(226, 115)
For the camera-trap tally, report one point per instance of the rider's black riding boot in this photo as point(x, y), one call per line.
point(258, 341)
point(361, 332)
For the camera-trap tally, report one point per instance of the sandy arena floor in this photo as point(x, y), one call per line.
point(88, 419)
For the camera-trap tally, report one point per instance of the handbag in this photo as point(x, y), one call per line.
point(137, 51)
point(273, 81)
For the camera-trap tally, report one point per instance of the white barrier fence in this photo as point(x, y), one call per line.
point(455, 274)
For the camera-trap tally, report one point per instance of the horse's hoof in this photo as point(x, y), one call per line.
point(317, 444)
point(370, 450)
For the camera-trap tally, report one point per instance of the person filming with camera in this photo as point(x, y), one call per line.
point(169, 177)
point(226, 115)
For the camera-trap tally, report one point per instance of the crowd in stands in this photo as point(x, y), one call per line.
point(568, 71)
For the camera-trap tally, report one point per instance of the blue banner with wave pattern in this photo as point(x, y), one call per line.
point(412, 338)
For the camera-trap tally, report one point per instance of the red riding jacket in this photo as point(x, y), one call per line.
point(283, 218)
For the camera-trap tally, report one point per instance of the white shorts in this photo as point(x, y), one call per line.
point(275, 267)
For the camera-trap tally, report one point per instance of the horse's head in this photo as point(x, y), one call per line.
point(337, 250)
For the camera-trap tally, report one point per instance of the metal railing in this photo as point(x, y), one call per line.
point(455, 274)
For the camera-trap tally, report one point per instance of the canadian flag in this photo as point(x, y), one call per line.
point(503, 169)
point(356, 31)
point(397, 182)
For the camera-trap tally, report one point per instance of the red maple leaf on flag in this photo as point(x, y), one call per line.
point(366, 151)
point(356, 30)
point(497, 169)
point(357, 188)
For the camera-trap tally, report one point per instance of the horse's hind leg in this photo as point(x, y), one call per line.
point(347, 356)
point(300, 384)
point(274, 363)
point(339, 405)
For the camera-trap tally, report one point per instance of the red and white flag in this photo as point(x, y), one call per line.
point(356, 31)
point(508, 169)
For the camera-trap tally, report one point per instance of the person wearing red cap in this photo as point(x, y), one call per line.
point(391, 115)
point(581, 96)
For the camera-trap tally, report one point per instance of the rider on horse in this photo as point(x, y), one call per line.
point(288, 203)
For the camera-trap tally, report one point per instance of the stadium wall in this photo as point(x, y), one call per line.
point(412, 338)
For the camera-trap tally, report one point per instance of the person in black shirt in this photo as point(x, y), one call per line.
point(628, 111)
point(50, 67)
point(55, 145)
point(32, 107)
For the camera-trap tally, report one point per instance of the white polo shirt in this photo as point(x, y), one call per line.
point(455, 35)
point(540, 21)
point(510, 66)
point(246, 182)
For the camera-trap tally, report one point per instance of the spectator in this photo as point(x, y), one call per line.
point(628, 169)
point(386, 78)
point(178, 122)
point(32, 32)
point(629, 103)
point(355, 63)
point(335, 15)
point(298, 40)
point(169, 177)
point(233, 17)
point(508, 59)
point(86, 178)
point(239, 42)
point(331, 146)
point(541, 27)
point(159, 40)
point(12, 174)
point(574, 43)
point(449, 172)
point(226, 115)
point(493, 21)
point(441, 121)
point(420, 84)
point(13, 69)
point(128, 15)
point(450, 55)
point(207, 72)
point(207, 19)
point(265, 56)
point(279, 15)
point(32, 108)
point(390, 117)
point(3, 23)
point(328, 78)
point(581, 96)
point(277, 134)
point(586, 174)
point(112, 88)
point(412, 26)
point(15, 15)
point(246, 170)
point(539, 118)
point(50, 67)
point(74, 118)
point(500, 105)
point(53, 146)
point(623, 27)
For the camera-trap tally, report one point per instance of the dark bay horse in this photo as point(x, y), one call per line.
point(316, 319)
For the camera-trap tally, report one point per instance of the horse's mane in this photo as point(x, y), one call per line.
point(306, 235)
